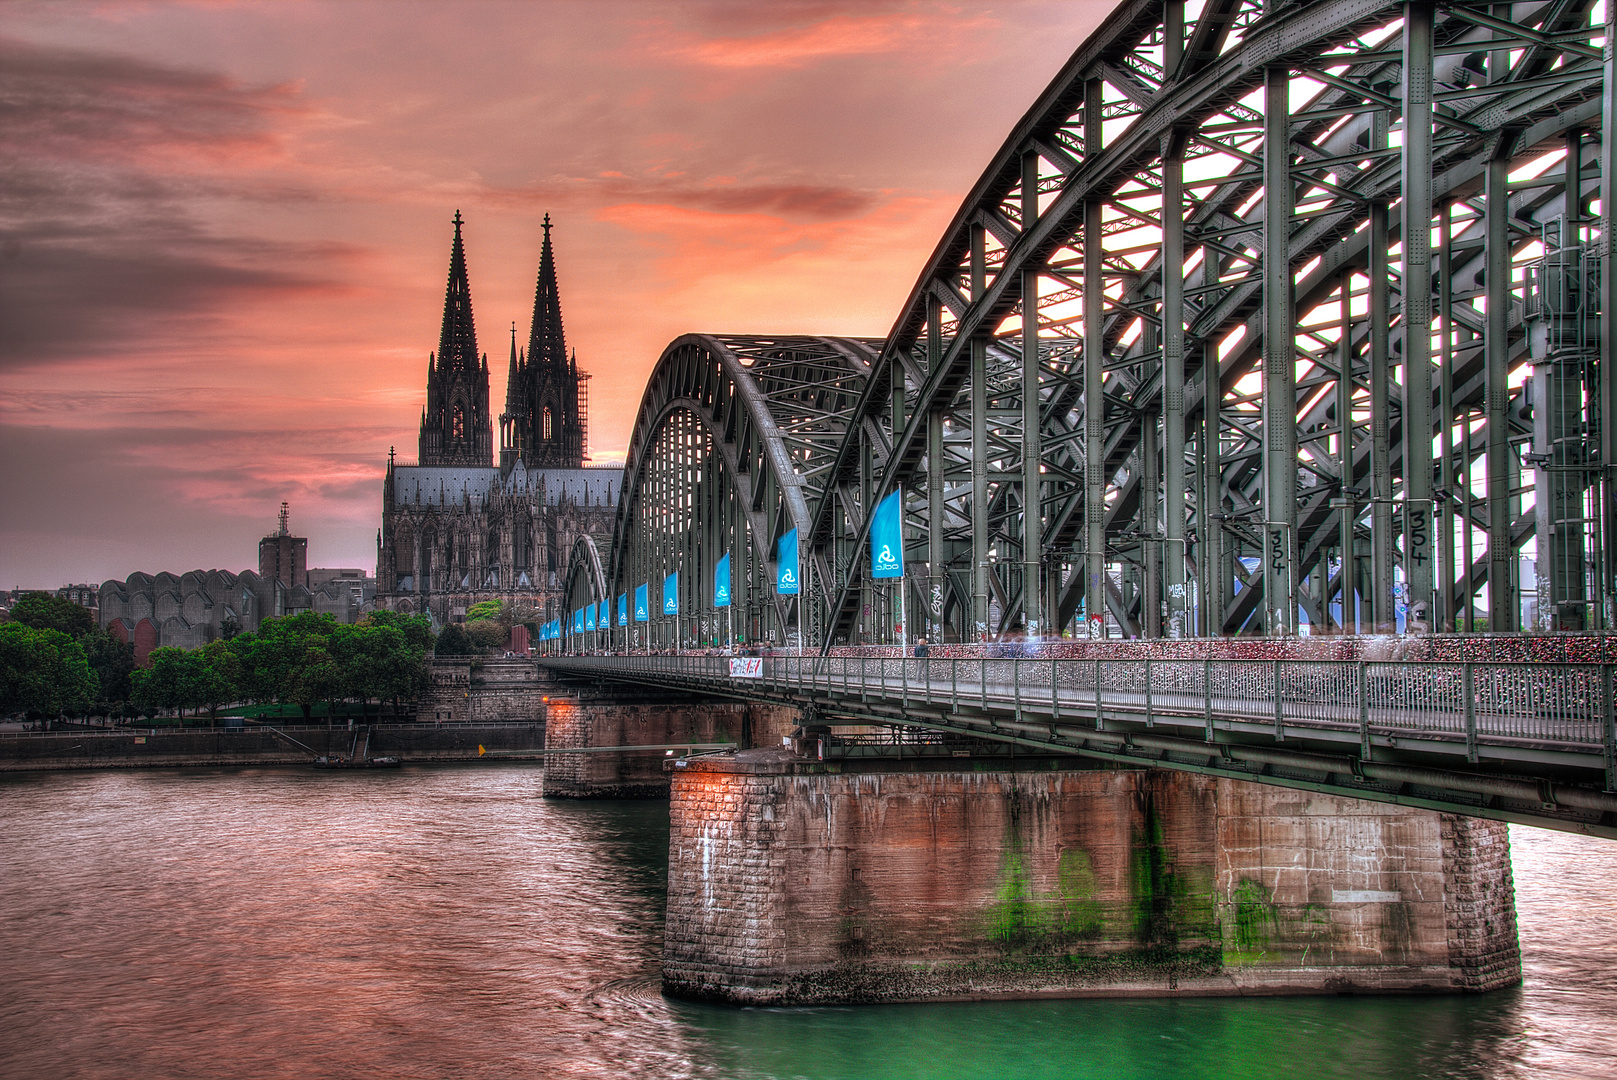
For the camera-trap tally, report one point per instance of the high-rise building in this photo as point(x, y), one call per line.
point(283, 556)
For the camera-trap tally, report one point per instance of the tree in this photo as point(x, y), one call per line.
point(452, 641)
point(484, 609)
point(112, 661)
point(212, 677)
point(43, 670)
point(417, 629)
point(42, 611)
point(486, 634)
point(160, 684)
point(404, 672)
point(298, 666)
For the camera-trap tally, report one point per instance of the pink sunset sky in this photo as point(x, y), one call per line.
point(225, 228)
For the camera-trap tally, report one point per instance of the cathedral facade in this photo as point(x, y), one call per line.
point(459, 528)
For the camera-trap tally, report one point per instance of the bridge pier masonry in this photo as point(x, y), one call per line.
point(794, 881)
point(621, 716)
point(586, 721)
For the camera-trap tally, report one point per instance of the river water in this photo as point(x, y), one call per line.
point(448, 923)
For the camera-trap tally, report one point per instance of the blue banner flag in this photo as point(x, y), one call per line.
point(623, 609)
point(887, 538)
point(578, 620)
point(671, 594)
point(589, 617)
point(604, 619)
point(786, 569)
point(721, 582)
point(642, 606)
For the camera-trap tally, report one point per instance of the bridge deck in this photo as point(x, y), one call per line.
point(1518, 741)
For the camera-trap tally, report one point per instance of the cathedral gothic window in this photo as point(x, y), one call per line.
point(547, 421)
point(457, 425)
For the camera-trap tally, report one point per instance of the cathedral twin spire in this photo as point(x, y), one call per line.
point(455, 427)
point(542, 425)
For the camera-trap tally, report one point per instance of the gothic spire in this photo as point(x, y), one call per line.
point(457, 341)
point(455, 426)
point(513, 393)
point(547, 345)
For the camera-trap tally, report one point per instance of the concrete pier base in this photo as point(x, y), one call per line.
point(790, 883)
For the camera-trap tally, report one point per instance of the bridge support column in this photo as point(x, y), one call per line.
point(790, 883)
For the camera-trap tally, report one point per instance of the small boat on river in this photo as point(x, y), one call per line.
point(356, 763)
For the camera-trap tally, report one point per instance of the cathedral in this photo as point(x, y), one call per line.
point(459, 528)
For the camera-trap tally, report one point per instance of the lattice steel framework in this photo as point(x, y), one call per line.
point(732, 446)
point(1229, 217)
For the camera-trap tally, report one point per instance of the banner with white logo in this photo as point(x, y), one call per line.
point(721, 582)
point(887, 538)
point(786, 574)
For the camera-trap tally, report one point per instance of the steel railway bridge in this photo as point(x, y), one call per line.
point(1264, 315)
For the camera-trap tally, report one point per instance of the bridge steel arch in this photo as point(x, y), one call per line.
point(1263, 312)
point(730, 449)
point(585, 584)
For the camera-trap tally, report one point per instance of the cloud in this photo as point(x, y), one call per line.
point(822, 32)
point(107, 167)
point(718, 194)
point(90, 105)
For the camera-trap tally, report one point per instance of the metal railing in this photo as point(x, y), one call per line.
point(1545, 706)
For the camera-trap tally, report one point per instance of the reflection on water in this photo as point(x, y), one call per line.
point(449, 923)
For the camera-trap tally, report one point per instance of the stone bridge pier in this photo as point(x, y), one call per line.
point(589, 719)
point(618, 715)
point(794, 881)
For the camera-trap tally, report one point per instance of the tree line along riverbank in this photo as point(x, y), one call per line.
point(54, 662)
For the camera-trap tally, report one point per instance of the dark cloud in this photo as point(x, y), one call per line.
point(803, 202)
point(102, 158)
point(84, 105)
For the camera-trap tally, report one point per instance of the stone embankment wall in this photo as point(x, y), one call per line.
point(156, 748)
point(476, 690)
point(615, 718)
point(791, 885)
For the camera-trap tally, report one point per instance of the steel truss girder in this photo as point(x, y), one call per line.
point(1144, 85)
point(732, 439)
